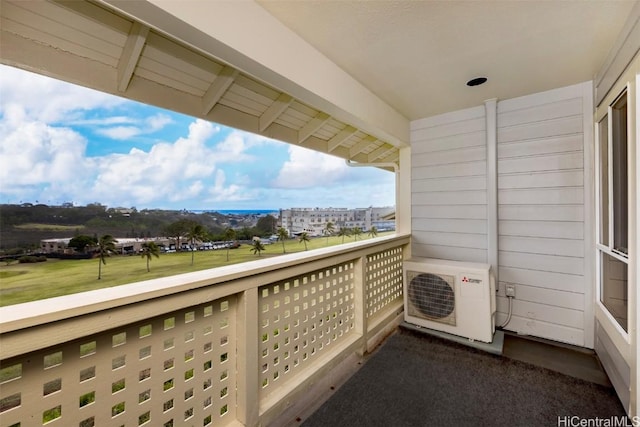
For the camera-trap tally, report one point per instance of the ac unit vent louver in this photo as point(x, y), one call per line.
point(432, 297)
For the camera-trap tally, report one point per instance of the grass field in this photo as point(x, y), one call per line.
point(28, 282)
point(48, 227)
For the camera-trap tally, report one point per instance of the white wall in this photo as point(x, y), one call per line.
point(448, 186)
point(542, 204)
point(543, 238)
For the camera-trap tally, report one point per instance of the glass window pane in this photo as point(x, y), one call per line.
point(614, 288)
point(620, 177)
point(603, 133)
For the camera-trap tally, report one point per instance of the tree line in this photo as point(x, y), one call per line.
point(22, 227)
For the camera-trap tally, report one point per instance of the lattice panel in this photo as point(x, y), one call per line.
point(173, 370)
point(301, 319)
point(384, 279)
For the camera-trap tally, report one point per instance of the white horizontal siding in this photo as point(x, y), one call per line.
point(454, 212)
point(543, 246)
point(553, 195)
point(458, 183)
point(540, 163)
point(569, 178)
point(464, 240)
point(541, 213)
point(541, 327)
point(542, 228)
point(449, 197)
point(453, 142)
point(542, 279)
point(540, 208)
point(561, 299)
point(543, 146)
point(450, 171)
point(562, 316)
point(450, 253)
point(475, 226)
point(460, 197)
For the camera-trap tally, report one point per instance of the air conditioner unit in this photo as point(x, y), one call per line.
point(449, 296)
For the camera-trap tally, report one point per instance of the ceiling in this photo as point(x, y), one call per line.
point(410, 57)
point(418, 55)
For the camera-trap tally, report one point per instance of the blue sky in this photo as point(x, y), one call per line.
point(64, 143)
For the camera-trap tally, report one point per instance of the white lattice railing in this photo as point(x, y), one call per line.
point(229, 346)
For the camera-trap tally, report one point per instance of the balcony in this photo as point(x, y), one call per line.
point(237, 345)
point(265, 343)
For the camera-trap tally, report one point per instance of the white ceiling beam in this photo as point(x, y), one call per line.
point(312, 125)
point(130, 54)
point(381, 151)
point(341, 137)
point(362, 145)
point(218, 87)
point(274, 110)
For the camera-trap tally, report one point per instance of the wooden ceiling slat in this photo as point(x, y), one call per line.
point(248, 105)
point(337, 140)
point(382, 151)
point(312, 126)
point(176, 56)
point(361, 146)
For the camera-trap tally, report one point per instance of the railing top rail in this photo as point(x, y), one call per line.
point(26, 315)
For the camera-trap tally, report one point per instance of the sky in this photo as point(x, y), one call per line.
point(61, 143)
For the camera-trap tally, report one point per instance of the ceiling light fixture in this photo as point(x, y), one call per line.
point(477, 81)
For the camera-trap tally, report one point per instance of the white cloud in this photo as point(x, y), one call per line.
point(235, 146)
point(140, 127)
point(307, 169)
point(166, 172)
point(103, 121)
point(35, 153)
point(48, 100)
point(220, 192)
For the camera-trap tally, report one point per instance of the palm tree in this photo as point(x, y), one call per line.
point(357, 231)
point(150, 249)
point(257, 247)
point(106, 246)
point(283, 235)
point(329, 229)
point(196, 232)
point(373, 232)
point(304, 238)
point(229, 235)
point(344, 232)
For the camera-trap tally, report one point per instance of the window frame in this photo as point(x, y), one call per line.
point(609, 248)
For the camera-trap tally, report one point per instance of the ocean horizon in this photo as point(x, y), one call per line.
point(238, 211)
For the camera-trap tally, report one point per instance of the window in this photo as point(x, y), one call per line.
point(613, 211)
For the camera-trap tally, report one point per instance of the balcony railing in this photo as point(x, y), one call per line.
point(237, 345)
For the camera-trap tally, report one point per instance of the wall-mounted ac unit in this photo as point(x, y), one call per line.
point(449, 296)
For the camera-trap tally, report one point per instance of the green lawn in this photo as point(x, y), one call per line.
point(48, 227)
point(27, 282)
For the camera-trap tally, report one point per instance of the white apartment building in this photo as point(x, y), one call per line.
point(314, 220)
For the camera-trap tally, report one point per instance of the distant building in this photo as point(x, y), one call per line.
point(124, 245)
point(314, 220)
point(51, 246)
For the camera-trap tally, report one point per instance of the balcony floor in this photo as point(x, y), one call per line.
point(415, 379)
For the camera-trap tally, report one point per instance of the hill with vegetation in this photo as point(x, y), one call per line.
point(22, 227)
